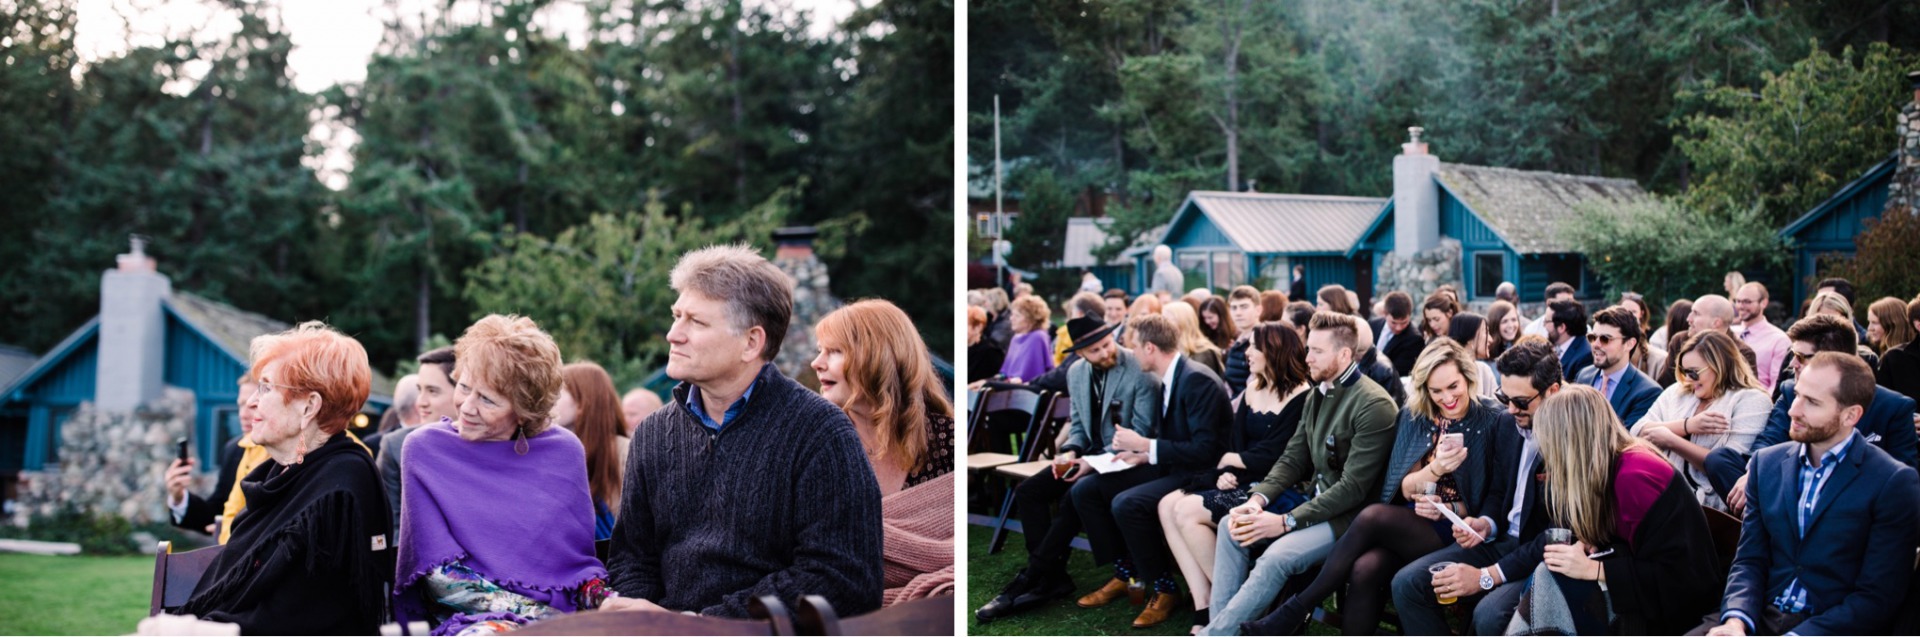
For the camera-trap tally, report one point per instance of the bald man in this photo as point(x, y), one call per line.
point(636, 406)
point(1710, 312)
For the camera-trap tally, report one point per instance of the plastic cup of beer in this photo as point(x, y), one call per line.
point(1435, 571)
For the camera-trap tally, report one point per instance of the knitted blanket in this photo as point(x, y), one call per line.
point(918, 542)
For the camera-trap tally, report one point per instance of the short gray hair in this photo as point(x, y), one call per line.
point(754, 291)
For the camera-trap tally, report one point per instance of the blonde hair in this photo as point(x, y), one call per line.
point(316, 358)
point(891, 376)
point(1146, 304)
point(1580, 438)
point(1894, 323)
point(1192, 340)
point(1034, 310)
point(1722, 355)
point(1830, 301)
point(513, 356)
point(1442, 351)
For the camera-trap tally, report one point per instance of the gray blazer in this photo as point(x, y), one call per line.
point(1137, 391)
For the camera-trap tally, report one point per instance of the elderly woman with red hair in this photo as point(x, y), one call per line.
point(301, 559)
point(873, 365)
point(496, 517)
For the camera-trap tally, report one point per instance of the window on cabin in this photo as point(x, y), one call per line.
point(1566, 268)
point(1229, 270)
point(1489, 270)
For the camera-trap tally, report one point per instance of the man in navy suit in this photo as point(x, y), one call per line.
point(1888, 423)
point(1613, 336)
point(1567, 328)
point(1827, 545)
point(1394, 335)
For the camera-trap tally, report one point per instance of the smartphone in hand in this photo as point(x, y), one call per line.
point(182, 444)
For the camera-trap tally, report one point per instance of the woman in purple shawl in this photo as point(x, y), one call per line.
point(1030, 354)
point(496, 521)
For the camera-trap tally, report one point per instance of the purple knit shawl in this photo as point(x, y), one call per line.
point(523, 522)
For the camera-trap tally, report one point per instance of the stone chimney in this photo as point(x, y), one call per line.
point(812, 299)
point(1416, 198)
point(132, 332)
point(1904, 192)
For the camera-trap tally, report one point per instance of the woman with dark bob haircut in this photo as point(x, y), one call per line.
point(496, 519)
point(301, 559)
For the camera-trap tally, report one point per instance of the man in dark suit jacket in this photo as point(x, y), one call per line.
point(1827, 545)
point(1529, 373)
point(1567, 328)
point(1887, 424)
point(1394, 335)
point(1613, 335)
point(1194, 420)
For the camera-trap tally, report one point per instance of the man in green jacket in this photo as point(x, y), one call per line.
point(1342, 445)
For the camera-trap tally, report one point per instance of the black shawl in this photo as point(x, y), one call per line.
point(302, 557)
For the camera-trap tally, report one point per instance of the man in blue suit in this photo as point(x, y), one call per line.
point(1827, 545)
point(1613, 336)
point(1888, 423)
point(1567, 328)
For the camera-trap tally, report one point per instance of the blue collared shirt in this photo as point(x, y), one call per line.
point(1612, 380)
point(699, 408)
point(1793, 598)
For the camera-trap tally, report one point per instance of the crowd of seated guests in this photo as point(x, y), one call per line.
point(1554, 476)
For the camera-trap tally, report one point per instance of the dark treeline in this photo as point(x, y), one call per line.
point(497, 168)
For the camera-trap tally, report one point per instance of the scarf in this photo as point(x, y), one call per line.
point(918, 541)
point(523, 522)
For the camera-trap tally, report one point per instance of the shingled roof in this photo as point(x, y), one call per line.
point(233, 329)
point(1528, 208)
point(1270, 223)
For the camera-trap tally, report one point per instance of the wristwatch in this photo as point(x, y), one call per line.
point(1289, 520)
point(1486, 579)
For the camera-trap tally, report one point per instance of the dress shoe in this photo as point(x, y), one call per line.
point(1002, 604)
point(1288, 619)
point(1159, 608)
point(1115, 589)
point(1026, 592)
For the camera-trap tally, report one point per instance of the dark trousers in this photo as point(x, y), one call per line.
point(1421, 612)
point(1050, 535)
point(1724, 467)
point(1136, 511)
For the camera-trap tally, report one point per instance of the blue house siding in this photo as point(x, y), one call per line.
point(51, 399)
point(1197, 231)
point(1458, 221)
point(1830, 227)
point(1326, 270)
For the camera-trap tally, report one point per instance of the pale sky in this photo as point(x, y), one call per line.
point(332, 40)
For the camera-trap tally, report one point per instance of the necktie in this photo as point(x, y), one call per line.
point(1606, 383)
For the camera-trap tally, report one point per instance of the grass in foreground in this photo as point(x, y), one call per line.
point(73, 595)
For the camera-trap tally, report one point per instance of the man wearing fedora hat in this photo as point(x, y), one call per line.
point(1105, 374)
point(1078, 330)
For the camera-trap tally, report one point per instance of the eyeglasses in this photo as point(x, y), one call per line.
point(1692, 374)
point(1520, 403)
point(1801, 357)
point(1603, 339)
point(269, 386)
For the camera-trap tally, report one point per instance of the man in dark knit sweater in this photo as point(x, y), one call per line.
point(747, 484)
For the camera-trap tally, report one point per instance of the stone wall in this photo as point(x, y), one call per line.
point(812, 299)
point(113, 462)
point(1904, 192)
point(1418, 274)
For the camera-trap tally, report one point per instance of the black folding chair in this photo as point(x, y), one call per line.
point(1039, 444)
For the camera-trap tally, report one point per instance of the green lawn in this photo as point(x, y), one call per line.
point(73, 595)
point(987, 573)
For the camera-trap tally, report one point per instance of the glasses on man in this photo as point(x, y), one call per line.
point(1602, 339)
point(1802, 356)
point(1519, 402)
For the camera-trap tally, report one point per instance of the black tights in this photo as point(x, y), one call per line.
point(1381, 540)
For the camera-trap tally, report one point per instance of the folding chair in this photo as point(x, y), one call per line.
point(1040, 442)
point(1725, 531)
point(1026, 404)
point(930, 616)
point(176, 574)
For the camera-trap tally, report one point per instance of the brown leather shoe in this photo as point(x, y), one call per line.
point(1115, 589)
point(1159, 608)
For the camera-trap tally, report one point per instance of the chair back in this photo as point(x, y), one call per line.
point(1043, 436)
point(929, 616)
point(770, 617)
point(1027, 404)
point(176, 574)
point(1725, 531)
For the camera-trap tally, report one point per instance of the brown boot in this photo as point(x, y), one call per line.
point(1158, 610)
point(1115, 589)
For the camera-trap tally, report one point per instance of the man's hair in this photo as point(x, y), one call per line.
point(976, 316)
point(1155, 329)
point(1022, 289)
point(1621, 318)
point(1842, 286)
point(1762, 287)
point(1827, 332)
point(754, 291)
point(1506, 292)
point(1339, 327)
point(1531, 358)
point(1856, 378)
point(1088, 304)
point(1571, 314)
point(1300, 314)
point(1116, 293)
point(1557, 288)
point(1244, 292)
point(1399, 304)
point(440, 356)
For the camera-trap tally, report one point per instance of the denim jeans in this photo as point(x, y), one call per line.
point(1241, 594)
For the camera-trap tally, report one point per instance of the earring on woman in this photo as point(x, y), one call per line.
point(300, 452)
point(520, 443)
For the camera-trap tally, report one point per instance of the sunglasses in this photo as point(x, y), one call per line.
point(1519, 403)
point(1603, 339)
point(1334, 461)
point(1692, 374)
point(1801, 357)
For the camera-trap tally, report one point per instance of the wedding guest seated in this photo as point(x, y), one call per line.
point(873, 365)
point(1828, 543)
point(1717, 404)
point(746, 483)
point(301, 559)
point(1615, 336)
point(589, 407)
point(497, 517)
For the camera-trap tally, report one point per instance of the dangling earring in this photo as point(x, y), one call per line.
point(300, 453)
point(520, 444)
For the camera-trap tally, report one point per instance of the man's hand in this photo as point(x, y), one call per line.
point(624, 603)
point(1231, 460)
point(179, 474)
point(1125, 439)
point(1467, 540)
point(1737, 496)
point(1459, 580)
point(1227, 482)
point(1733, 627)
point(1134, 458)
point(1250, 529)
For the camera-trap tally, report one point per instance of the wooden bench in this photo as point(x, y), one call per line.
point(176, 574)
point(930, 616)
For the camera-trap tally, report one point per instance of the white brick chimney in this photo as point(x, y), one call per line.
point(1416, 198)
point(132, 332)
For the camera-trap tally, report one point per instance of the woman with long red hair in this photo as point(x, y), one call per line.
point(589, 406)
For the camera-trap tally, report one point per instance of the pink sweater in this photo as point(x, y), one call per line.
point(1642, 476)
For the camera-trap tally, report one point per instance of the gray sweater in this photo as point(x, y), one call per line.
point(781, 501)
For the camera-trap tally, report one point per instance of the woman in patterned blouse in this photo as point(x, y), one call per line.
point(873, 364)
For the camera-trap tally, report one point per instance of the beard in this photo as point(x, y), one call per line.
point(1106, 363)
point(1808, 432)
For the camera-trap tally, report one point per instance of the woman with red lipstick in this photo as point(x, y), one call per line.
point(873, 365)
point(497, 520)
point(1429, 468)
